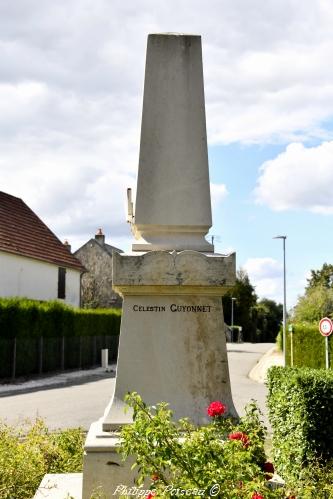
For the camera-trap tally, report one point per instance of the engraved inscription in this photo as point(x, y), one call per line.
point(173, 308)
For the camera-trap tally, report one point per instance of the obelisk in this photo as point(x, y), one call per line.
point(172, 343)
point(173, 209)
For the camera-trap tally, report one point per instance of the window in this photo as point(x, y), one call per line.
point(61, 283)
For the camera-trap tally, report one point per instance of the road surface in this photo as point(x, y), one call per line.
point(85, 400)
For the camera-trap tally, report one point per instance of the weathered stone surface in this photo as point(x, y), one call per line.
point(96, 284)
point(173, 209)
point(172, 321)
point(103, 467)
point(161, 268)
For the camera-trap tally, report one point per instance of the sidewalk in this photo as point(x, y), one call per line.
point(57, 380)
point(271, 358)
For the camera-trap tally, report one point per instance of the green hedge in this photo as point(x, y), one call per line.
point(32, 319)
point(300, 403)
point(38, 337)
point(308, 346)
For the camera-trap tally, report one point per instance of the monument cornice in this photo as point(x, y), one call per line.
point(171, 272)
point(140, 290)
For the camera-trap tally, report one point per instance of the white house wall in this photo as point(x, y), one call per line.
point(26, 277)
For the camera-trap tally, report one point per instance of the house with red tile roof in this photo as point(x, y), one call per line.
point(34, 263)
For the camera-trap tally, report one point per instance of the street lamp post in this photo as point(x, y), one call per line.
point(232, 318)
point(284, 300)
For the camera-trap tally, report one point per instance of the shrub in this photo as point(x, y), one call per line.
point(27, 454)
point(39, 337)
point(300, 412)
point(21, 317)
point(308, 345)
point(178, 455)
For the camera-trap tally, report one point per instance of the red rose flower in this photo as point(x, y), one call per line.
point(216, 409)
point(268, 468)
point(150, 495)
point(239, 435)
point(255, 495)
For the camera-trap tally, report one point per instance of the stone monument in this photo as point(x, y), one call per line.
point(172, 343)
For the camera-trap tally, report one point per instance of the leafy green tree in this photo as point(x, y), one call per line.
point(316, 303)
point(244, 304)
point(322, 277)
point(269, 317)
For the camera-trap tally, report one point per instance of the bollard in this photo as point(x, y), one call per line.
point(105, 358)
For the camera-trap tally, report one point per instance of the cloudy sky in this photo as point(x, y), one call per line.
point(71, 83)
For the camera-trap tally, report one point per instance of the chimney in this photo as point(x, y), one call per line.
point(100, 237)
point(67, 245)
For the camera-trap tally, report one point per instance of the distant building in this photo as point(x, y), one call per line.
point(33, 261)
point(96, 290)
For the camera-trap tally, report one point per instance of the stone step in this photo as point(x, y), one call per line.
point(60, 486)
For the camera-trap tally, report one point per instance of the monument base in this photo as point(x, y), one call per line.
point(172, 344)
point(103, 469)
point(172, 349)
point(60, 486)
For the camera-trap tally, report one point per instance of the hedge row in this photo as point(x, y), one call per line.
point(32, 319)
point(29, 356)
point(300, 403)
point(308, 346)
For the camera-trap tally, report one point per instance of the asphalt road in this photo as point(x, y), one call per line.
point(242, 358)
point(84, 401)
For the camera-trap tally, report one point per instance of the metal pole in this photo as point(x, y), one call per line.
point(327, 353)
point(62, 358)
point(284, 304)
point(40, 359)
point(14, 359)
point(284, 300)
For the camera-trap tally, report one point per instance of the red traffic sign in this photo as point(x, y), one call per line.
point(325, 326)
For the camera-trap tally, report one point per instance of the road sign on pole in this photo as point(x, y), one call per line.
point(326, 328)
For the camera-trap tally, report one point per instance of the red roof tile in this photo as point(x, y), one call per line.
point(23, 233)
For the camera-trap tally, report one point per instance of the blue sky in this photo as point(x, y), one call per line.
point(71, 84)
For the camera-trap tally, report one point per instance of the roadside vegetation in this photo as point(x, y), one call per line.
point(302, 335)
point(44, 336)
point(226, 457)
point(230, 453)
point(30, 451)
point(259, 319)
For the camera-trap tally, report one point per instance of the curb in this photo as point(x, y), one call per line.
point(271, 358)
point(57, 381)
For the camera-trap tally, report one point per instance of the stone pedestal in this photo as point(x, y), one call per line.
point(172, 348)
point(172, 341)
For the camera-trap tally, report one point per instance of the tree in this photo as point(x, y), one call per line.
point(269, 317)
point(322, 277)
point(316, 303)
point(246, 300)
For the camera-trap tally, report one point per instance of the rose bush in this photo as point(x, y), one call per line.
point(224, 459)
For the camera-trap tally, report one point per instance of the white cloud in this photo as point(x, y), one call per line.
point(298, 178)
point(71, 92)
point(218, 193)
point(266, 276)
